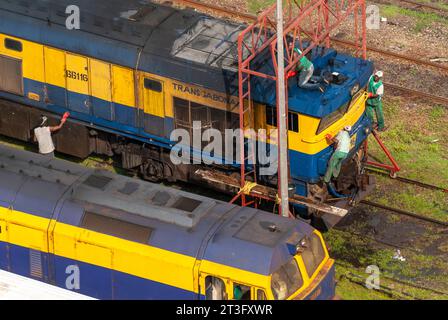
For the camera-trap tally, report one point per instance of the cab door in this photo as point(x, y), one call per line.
point(152, 118)
point(77, 75)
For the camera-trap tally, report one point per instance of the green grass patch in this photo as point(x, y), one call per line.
point(416, 139)
point(422, 19)
point(255, 6)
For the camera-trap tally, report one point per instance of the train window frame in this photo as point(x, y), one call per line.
point(293, 119)
point(354, 99)
point(271, 116)
point(12, 44)
point(281, 271)
point(212, 114)
point(244, 288)
point(261, 295)
point(153, 85)
point(207, 287)
point(332, 118)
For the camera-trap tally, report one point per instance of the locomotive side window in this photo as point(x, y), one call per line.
point(153, 85)
point(13, 45)
point(185, 112)
point(261, 295)
point(271, 116)
point(293, 119)
point(241, 292)
point(215, 289)
point(11, 75)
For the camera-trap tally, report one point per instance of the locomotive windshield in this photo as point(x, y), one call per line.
point(286, 280)
point(313, 254)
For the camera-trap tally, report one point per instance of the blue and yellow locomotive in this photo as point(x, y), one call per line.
point(113, 237)
point(135, 71)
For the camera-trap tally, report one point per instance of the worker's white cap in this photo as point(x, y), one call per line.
point(348, 128)
point(43, 120)
point(379, 74)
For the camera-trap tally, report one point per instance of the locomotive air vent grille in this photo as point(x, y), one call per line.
point(129, 188)
point(97, 181)
point(186, 204)
point(36, 264)
point(161, 198)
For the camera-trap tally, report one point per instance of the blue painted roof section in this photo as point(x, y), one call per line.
point(245, 241)
point(147, 45)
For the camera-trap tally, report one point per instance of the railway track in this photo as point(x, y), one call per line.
point(410, 181)
point(405, 213)
point(209, 8)
point(424, 5)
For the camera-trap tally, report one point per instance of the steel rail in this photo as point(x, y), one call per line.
point(425, 5)
point(439, 99)
point(406, 213)
point(410, 181)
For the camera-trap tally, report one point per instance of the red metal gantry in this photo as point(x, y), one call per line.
point(309, 21)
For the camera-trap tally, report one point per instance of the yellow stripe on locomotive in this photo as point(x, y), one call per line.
point(144, 261)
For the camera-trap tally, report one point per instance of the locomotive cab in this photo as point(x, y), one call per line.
point(288, 261)
point(312, 115)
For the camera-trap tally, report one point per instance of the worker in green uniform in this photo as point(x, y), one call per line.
point(374, 102)
point(342, 148)
point(305, 69)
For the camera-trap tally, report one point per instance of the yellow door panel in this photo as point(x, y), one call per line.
point(123, 86)
point(28, 231)
point(91, 252)
point(77, 74)
point(100, 80)
point(33, 61)
point(55, 67)
point(153, 98)
point(64, 238)
point(3, 218)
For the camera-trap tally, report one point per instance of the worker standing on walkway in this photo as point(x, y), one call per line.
point(342, 148)
point(374, 102)
point(305, 69)
point(42, 134)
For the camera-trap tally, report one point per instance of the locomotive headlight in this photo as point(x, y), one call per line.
point(354, 89)
point(302, 245)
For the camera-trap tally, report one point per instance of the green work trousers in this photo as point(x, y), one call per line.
point(378, 110)
point(334, 165)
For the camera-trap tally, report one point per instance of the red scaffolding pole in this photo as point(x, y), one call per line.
point(308, 24)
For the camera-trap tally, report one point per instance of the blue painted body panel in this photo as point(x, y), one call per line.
point(95, 281)
point(326, 287)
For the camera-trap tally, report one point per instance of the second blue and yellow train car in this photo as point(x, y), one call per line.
point(113, 237)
